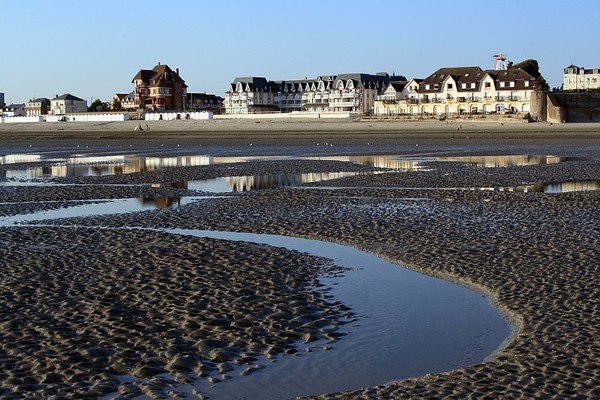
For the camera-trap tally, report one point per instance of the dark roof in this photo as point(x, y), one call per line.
point(474, 75)
point(398, 85)
point(459, 74)
point(153, 76)
point(67, 96)
point(204, 96)
point(517, 75)
point(15, 106)
point(39, 100)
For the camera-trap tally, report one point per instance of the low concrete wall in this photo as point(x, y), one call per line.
point(17, 120)
point(87, 118)
point(293, 114)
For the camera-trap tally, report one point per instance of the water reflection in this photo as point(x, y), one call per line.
point(160, 202)
point(100, 165)
point(257, 182)
point(559, 187)
point(498, 161)
point(388, 162)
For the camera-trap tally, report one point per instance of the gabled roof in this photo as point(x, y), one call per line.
point(14, 106)
point(398, 85)
point(67, 96)
point(160, 71)
point(39, 100)
point(458, 74)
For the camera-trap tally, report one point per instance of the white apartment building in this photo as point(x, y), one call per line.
point(67, 103)
point(344, 93)
point(579, 78)
point(460, 90)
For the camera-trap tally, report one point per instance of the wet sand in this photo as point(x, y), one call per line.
point(535, 254)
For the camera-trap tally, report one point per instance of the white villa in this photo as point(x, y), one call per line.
point(344, 93)
point(579, 78)
point(67, 103)
point(459, 90)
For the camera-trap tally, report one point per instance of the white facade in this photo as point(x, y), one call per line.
point(344, 93)
point(579, 78)
point(457, 91)
point(67, 104)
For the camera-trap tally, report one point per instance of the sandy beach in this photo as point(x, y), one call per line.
point(79, 309)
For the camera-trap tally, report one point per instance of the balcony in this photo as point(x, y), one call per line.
point(344, 104)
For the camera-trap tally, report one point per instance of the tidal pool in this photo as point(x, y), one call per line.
point(407, 324)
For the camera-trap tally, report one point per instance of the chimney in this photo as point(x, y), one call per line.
point(177, 70)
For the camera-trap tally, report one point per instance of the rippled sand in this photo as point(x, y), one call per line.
point(536, 254)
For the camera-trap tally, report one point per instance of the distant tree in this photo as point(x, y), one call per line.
point(116, 105)
point(96, 106)
point(532, 68)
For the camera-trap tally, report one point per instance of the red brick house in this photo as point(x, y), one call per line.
point(159, 89)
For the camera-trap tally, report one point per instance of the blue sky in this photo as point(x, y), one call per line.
point(93, 49)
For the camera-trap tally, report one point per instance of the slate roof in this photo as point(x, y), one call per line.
point(159, 76)
point(68, 96)
point(474, 75)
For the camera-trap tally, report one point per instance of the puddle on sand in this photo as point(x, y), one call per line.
point(410, 324)
point(101, 207)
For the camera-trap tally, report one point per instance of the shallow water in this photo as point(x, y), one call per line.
point(409, 324)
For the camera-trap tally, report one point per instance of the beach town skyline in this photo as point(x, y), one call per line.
point(61, 50)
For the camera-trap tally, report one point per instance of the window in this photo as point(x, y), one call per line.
point(501, 84)
point(526, 83)
point(426, 87)
point(488, 85)
point(450, 86)
point(511, 84)
point(463, 85)
point(472, 85)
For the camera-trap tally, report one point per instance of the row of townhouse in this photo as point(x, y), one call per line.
point(343, 93)
point(459, 90)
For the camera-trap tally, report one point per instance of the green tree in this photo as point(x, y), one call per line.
point(532, 68)
point(116, 105)
point(96, 106)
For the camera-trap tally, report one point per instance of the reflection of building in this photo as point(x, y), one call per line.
point(503, 161)
point(463, 90)
point(579, 78)
point(159, 88)
point(256, 182)
point(161, 202)
point(344, 93)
